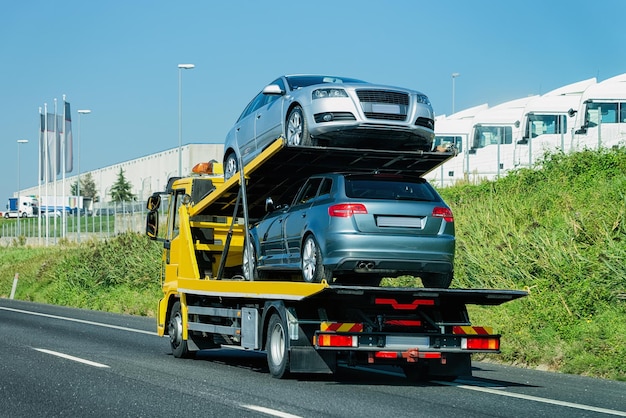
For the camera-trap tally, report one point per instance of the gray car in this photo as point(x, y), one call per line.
point(356, 229)
point(318, 110)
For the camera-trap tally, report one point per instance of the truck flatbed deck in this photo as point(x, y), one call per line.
point(261, 290)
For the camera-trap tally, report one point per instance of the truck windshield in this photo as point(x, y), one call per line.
point(492, 135)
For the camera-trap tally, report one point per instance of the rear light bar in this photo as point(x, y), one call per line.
point(346, 210)
point(481, 343)
point(477, 338)
point(331, 340)
point(445, 213)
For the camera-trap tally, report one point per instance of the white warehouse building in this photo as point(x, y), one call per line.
point(146, 174)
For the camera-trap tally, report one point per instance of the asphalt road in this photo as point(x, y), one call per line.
point(57, 361)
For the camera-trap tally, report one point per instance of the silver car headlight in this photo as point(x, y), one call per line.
point(325, 93)
point(422, 98)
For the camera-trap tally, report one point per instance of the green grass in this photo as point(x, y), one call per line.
point(117, 275)
point(558, 232)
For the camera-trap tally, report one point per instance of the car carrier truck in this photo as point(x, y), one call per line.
point(303, 327)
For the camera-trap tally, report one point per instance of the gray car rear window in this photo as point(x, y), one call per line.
point(389, 190)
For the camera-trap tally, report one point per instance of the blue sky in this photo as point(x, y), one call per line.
point(119, 59)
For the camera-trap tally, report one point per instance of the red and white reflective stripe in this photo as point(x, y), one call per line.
point(341, 327)
point(469, 330)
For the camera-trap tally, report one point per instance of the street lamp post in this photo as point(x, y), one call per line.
point(80, 113)
point(181, 67)
point(19, 142)
point(454, 76)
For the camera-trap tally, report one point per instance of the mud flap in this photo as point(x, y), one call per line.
point(304, 359)
point(455, 365)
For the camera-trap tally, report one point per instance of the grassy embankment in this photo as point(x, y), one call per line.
point(558, 232)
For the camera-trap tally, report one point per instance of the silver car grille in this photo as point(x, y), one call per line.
point(384, 104)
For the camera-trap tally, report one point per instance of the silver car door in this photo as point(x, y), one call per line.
point(268, 121)
point(297, 221)
point(245, 128)
point(271, 242)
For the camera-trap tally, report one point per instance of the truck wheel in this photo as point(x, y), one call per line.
point(313, 270)
point(175, 331)
point(6, 215)
point(437, 280)
point(297, 130)
point(230, 165)
point(276, 347)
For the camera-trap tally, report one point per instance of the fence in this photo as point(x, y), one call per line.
point(104, 221)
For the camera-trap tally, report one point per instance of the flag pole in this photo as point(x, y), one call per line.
point(55, 165)
point(39, 172)
point(64, 219)
point(46, 172)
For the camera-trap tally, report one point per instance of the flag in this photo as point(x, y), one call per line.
point(67, 139)
point(42, 145)
point(58, 128)
point(50, 145)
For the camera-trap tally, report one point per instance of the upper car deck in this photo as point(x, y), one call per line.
point(279, 170)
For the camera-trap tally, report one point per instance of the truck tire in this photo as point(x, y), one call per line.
point(276, 347)
point(175, 331)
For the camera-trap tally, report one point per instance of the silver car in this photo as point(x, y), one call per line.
point(318, 110)
point(356, 229)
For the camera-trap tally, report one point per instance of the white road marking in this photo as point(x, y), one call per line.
point(535, 398)
point(509, 394)
point(68, 357)
point(269, 411)
point(81, 321)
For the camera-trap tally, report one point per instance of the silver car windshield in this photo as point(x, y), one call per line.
point(389, 190)
point(299, 81)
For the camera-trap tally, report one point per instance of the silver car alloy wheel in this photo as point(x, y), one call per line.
point(295, 127)
point(230, 166)
point(309, 260)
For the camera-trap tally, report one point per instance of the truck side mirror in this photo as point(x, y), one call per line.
point(154, 201)
point(152, 224)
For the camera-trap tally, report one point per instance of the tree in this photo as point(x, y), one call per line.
point(87, 188)
point(121, 189)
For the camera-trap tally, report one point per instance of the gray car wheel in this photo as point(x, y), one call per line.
point(230, 165)
point(297, 130)
point(313, 270)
